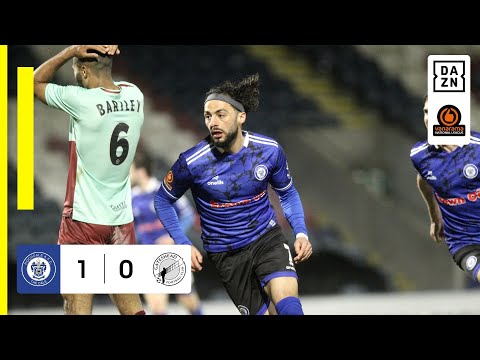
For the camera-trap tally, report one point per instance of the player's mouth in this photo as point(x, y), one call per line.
point(216, 134)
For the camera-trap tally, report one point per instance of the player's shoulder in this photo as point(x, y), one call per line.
point(419, 148)
point(128, 85)
point(262, 140)
point(65, 88)
point(475, 137)
point(56, 95)
point(123, 83)
point(197, 151)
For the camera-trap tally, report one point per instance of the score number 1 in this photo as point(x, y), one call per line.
point(122, 269)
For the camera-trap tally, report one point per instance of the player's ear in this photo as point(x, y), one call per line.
point(242, 116)
point(84, 71)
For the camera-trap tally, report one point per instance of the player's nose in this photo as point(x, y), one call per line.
point(214, 122)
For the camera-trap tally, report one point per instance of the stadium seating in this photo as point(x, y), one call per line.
point(186, 82)
point(365, 80)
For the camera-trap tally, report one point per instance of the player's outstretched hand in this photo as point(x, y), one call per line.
point(197, 259)
point(303, 248)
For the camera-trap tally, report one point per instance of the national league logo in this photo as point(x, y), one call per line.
point(448, 99)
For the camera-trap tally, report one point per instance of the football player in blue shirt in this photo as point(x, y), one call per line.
point(228, 174)
point(448, 180)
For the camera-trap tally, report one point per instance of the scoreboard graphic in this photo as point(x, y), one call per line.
point(104, 269)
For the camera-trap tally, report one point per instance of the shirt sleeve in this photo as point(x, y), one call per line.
point(281, 179)
point(282, 183)
point(66, 98)
point(174, 185)
point(293, 210)
point(178, 179)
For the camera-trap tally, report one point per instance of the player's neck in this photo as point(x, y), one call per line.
point(109, 85)
point(449, 148)
point(105, 82)
point(236, 145)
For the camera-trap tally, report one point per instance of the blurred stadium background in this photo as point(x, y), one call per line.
point(346, 115)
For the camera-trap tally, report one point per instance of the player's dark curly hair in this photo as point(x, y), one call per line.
point(245, 91)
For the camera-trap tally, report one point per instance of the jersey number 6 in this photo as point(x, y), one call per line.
point(115, 143)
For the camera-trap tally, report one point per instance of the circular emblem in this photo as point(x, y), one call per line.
point(243, 310)
point(471, 262)
point(470, 171)
point(261, 172)
point(169, 269)
point(38, 269)
point(449, 115)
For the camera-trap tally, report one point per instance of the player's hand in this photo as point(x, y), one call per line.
point(303, 248)
point(197, 259)
point(85, 51)
point(82, 51)
point(112, 49)
point(437, 231)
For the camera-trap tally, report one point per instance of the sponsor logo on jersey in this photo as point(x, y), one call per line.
point(215, 181)
point(430, 175)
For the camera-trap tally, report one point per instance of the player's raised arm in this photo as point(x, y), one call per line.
point(45, 72)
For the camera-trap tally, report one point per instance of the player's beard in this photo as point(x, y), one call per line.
point(229, 138)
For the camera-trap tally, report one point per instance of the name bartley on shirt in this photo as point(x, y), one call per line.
point(115, 106)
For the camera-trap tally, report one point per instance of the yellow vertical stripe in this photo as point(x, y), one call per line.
point(25, 139)
point(3, 182)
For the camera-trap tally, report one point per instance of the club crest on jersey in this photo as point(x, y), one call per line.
point(470, 171)
point(471, 262)
point(261, 172)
